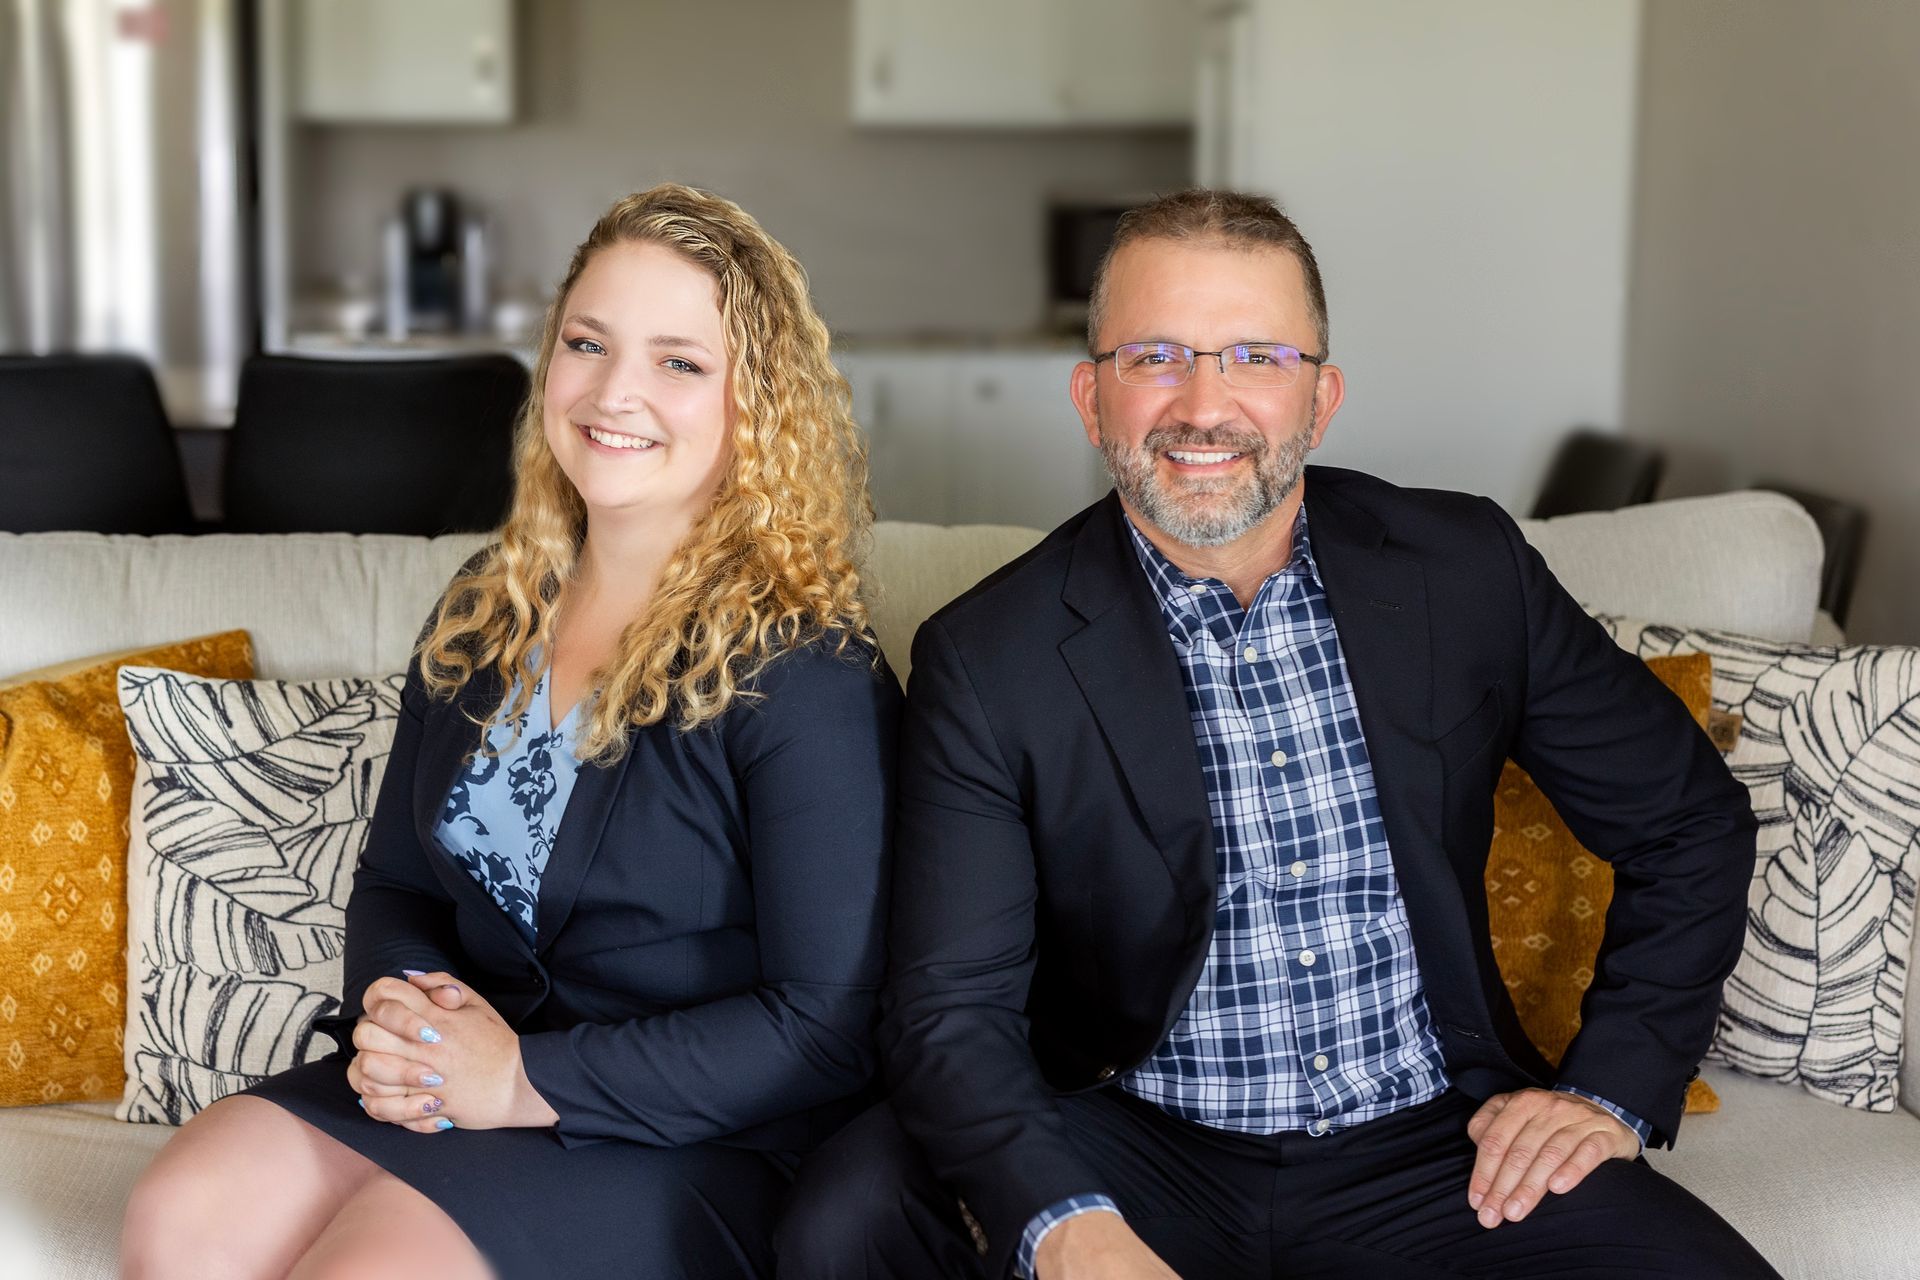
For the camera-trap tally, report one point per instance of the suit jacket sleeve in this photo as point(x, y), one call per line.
point(954, 1035)
point(399, 915)
point(1640, 785)
point(814, 759)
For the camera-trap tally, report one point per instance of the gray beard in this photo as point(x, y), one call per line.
point(1211, 512)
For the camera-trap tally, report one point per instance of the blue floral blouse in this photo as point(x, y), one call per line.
point(503, 814)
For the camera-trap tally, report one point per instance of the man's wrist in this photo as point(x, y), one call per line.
point(1045, 1225)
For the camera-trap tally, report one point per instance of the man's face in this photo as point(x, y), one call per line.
point(1205, 462)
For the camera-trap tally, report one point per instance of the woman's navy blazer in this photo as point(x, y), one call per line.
point(709, 935)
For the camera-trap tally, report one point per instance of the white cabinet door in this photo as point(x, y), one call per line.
point(904, 403)
point(1128, 62)
point(936, 62)
point(417, 62)
point(1019, 454)
point(1023, 62)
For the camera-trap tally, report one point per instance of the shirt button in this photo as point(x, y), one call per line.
point(1279, 759)
point(1198, 589)
point(1250, 653)
point(1298, 869)
point(1306, 957)
point(1319, 1062)
point(1318, 1128)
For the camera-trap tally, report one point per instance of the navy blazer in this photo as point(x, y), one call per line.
point(1055, 876)
point(709, 936)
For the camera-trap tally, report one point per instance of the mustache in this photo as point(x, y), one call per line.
point(1161, 439)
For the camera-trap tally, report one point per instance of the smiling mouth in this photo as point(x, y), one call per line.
point(1202, 457)
point(615, 440)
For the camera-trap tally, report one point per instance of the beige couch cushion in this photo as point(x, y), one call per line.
point(1742, 562)
point(1822, 1191)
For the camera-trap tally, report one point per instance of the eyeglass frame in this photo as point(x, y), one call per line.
point(1220, 361)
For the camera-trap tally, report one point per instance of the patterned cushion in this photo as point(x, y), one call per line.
point(1547, 896)
point(65, 773)
point(1829, 748)
point(250, 809)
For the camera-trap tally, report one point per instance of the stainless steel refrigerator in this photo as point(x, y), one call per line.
point(123, 220)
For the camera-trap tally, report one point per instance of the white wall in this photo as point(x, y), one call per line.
point(1463, 173)
point(1776, 275)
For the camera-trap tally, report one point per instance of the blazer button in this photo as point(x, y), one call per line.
point(1103, 1074)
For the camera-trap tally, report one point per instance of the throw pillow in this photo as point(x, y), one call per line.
point(65, 773)
point(250, 809)
point(1547, 897)
point(1829, 748)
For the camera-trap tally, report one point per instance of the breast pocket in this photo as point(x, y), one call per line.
point(1462, 744)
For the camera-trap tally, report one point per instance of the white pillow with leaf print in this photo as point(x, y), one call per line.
point(249, 810)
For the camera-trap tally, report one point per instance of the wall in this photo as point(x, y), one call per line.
point(1463, 174)
point(899, 231)
point(1775, 301)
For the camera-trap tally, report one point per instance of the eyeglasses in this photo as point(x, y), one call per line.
point(1168, 364)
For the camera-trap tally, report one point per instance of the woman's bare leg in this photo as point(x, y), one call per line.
point(240, 1192)
point(386, 1230)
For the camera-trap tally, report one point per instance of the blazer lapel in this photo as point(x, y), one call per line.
point(1126, 669)
point(1379, 603)
point(594, 790)
point(448, 734)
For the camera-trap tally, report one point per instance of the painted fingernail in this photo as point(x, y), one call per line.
point(430, 1035)
point(448, 986)
point(414, 973)
point(432, 1081)
point(432, 1105)
point(443, 1124)
point(362, 1102)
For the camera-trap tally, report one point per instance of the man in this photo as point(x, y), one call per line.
point(1191, 972)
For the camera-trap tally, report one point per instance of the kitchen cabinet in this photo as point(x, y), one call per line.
point(960, 436)
point(1060, 63)
point(421, 62)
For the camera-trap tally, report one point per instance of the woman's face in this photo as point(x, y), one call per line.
point(637, 406)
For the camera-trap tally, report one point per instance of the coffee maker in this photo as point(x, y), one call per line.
point(436, 266)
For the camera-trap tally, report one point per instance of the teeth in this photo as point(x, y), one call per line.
point(1193, 458)
point(613, 441)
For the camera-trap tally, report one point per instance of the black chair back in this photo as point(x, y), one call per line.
point(1596, 471)
point(85, 444)
point(1843, 527)
point(373, 446)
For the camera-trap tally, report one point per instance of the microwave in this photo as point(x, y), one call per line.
point(1078, 233)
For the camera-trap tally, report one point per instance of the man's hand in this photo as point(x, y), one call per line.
point(1097, 1246)
point(431, 1026)
point(1537, 1140)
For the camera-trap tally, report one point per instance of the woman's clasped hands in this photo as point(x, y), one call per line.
point(431, 1054)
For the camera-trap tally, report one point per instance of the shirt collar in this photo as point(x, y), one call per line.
point(1176, 590)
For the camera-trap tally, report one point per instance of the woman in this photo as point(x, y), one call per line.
point(598, 1042)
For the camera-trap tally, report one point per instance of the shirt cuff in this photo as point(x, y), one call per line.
point(1641, 1128)
point(1049, 1218)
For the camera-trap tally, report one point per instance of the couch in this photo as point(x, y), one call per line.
point(1822, 1191)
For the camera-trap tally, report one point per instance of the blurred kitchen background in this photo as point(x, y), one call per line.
point(1577, 255)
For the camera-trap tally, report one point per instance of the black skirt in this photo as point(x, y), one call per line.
point(534, 1208)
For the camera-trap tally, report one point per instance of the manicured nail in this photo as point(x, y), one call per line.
point(449, 986)
point(432, 1105)
point(443, 1124)
point(431, 1080)
point(362, 1102)
point(414, 973)
point(430, 1035)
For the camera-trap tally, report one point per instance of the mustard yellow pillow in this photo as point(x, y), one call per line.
point(1547, 896)
point(66, 777)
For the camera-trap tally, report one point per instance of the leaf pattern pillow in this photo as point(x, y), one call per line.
point(249, 811)
point(1829, 748)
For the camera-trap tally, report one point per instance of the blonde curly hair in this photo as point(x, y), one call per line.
point(772, 564)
